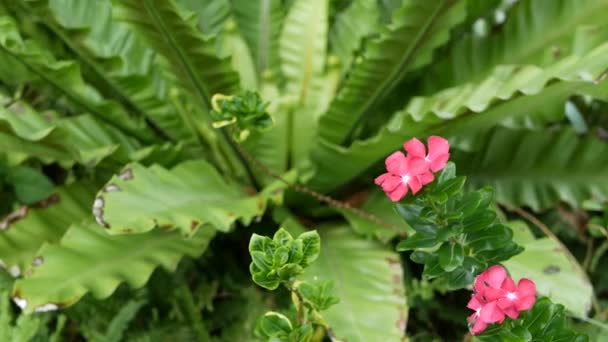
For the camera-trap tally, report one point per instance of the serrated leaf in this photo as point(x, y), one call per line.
point(476, 106)
point(186, 197)
point(30, 228)
point(192, 56)
point(115, 61)
point(369, 283)
point(87, 259)
point(514, 162)
point(65, 76)
point(416, 30)
point(522, 40)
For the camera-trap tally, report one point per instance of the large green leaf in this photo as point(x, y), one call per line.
point(525, 39)
point(260, 23)
point(173, 33)
point(539, 170)
point(302, 52)
point(369, 282)
point(65, 77)
point(351, 26)
point(381, 207)
point(417, 28)
point(77, 139)
point(87, 259)
point(186, 197)
point(511, 95)
point(30, 227)
point(116, 62)
point(554, 271)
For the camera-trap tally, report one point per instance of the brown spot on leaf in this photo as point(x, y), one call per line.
point(397, 279)
point(13, 217)
point(194, 224)
point(167, 226)
point(126, 174)
point(45, 203)
point(111, 188)
point(250, 190)
point(551, 269)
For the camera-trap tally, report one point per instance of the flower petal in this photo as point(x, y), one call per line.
point(397, 194)
point(526, 288)
point(391, 182)
point(526, 303)
point(495, 276)
point(415, 166)
point(437, 146)
point(508, 285)
point(474, 303)
point(478, 325)
point(491, 313)
point(438, 163)
point(415, 148)
point(414, 184)
point(394, 162)
point(380, 179)
point(512, 312)
point(426, 178)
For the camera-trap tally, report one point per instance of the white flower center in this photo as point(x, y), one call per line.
point(405, 179)
point(511, 296)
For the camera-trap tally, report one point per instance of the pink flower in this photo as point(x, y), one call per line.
point(414, 171)
point(496, 296)
point(438, 151)
point(402, 175)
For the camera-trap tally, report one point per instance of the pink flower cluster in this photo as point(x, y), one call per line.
point(415, 170)
point(496, 296)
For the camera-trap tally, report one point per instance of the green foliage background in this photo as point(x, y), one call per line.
point(127, 215)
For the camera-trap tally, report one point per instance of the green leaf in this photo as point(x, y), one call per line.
point(369, 282)
point(88, 259)
point(418, 240)
point(515, 163)
point(260, 24)
point(378, 204)
point(319, 294)
point(117, 63)
point(522, 40)
point(418, 27)
point(186, 197)
point(66, 78)
point(351, 27)
point(274, 324)
point(476, 107)
point(451, 256)
point(30, 184)
point(29, 228)
point(171, 32)
point(554, 271)
point(311, 247)
point(546, 321)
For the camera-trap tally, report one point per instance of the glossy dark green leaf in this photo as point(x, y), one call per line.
point(418, 240)
point(30, 184)
point(451, 256)
point(491, 238)
point(481, 220)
